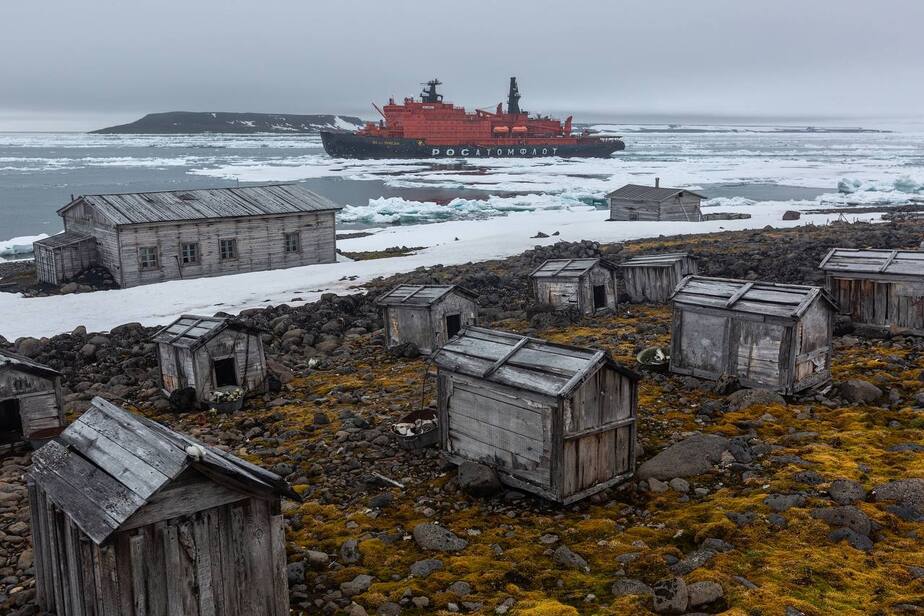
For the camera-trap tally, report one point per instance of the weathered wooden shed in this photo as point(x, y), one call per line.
point(770, 336)
point(206, 353)
point(653, 278)
point(61, 257)
point(134, 519)
point(635, 202)
point(878, 288)
point(426, 315)
point(31, 407)
point(555, 420)
point(589, 285)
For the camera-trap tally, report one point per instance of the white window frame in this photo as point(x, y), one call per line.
point(142, 254)
point(197, 253)
point(298, 242)
point(221, 252)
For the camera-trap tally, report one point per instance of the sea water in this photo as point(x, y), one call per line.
point(729, 164)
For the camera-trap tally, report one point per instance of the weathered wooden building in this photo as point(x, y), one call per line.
point(31, 407)
point(878, 288)
point(770, 336)
point(588, 285)
point(653, 278)
point(554, 420)
point(132, 519)
point(61, 257)
point(206, 353)
point(426, 315)
point(170, 235)
point(635, 202)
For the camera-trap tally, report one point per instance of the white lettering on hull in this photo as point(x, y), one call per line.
point(495, 152)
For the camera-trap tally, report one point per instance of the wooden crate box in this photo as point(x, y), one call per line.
point(653, 278)
point(588, 285)
point(426, 315)
point(31, 407)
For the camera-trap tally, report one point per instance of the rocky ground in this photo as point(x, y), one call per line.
point(744, 502)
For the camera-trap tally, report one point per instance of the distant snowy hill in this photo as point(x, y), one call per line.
point(185, 122)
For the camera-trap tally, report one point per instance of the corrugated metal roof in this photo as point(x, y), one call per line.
point(420, 295)
point(14, 361)
point(637, 192)
point(177, 205)
point(65, 239)
point(662, 260)
point(765, 298)
point(192, 330)
point(107, 465)
point(903, 262)
point(522, 362)
point(568, 268)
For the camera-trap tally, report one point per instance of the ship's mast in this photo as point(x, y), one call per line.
point(429, 95)
point(513, 97)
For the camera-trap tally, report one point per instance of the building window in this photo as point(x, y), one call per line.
point(189, 253)
point(293, 242)
point(147, 256)
point(227, 249)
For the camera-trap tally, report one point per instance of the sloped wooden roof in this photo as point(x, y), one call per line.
point(568, 268)
point(637, 192)
point(764, 298)
point(421, 295)
point(18, 362)
point(64, 239)
point(661, 260)
point(192, 330)
point(522, 362)
point(207, 203)
point(874, 261)
point(107, 465)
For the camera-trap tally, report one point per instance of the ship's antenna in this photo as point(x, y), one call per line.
point(429, 95)
point(379, 110)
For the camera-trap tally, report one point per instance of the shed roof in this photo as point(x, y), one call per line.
point(18, 362)
point(66, 238)
point(568, 268)
point(904, 262)
point(180, 205)
point(107, 465)
point(661, 260)
point(522, 362)
point(637, 192)
point(765, 298)
point(420, 295)
point(192, 330)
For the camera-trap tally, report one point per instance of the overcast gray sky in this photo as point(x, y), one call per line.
point(84, 64)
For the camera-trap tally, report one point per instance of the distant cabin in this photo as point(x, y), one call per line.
point(878, 288)
point(587, 285)
point(554, 420)
point(143, 238)
point(207, 353)
point(652, 203)
point(132, 518)
point(426, 315)
point(769, 336)
point(31, 405)
point(653, 278)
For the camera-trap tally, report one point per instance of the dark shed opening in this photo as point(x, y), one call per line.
point(225, 372)
point(453, 324)
point(10, 419)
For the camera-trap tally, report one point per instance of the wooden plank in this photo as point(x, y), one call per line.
point(599, 429)
point(107, 580)
point(88, 577)
point(231, 589)
point(139, 574)
point(260, 553)
point(738, 294)
point(505, 415)
point(71, 553)
point(241, 561)
point(37, 543)
point(503, 358)
point(179, 500)
point(219, 584)
point(279, 575)
point(203, 566)
point(156, 569)
point(502, 442)
point(55, 549)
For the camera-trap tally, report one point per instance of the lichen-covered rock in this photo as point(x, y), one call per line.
point(438, 538)
point(670, 596)
point(847, 516)
point(908, 494)
point(746, 398)
point(423, 568)
point(629, 586)
point(704, 593)
point(846, 492)
point(566, 557)
point(357, 585)
point(859, 391)
point(478, 479)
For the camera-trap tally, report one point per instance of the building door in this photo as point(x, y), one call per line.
point(225, 372)
point(599, 296)
point(10, 421)
point(453, 325)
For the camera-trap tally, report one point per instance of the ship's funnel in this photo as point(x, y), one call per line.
point(513, 97)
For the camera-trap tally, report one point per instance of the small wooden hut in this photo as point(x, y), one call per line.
point(206, 353)
point(588, 285)
point(426, 315)
point(554, 420)
point(131, 518)
point(653, 278)
point(882, 289)
point(31, 406)
point(771, 336)
point(61, 257)
point(653, 203)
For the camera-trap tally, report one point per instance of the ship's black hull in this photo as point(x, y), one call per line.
point(350, 145)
